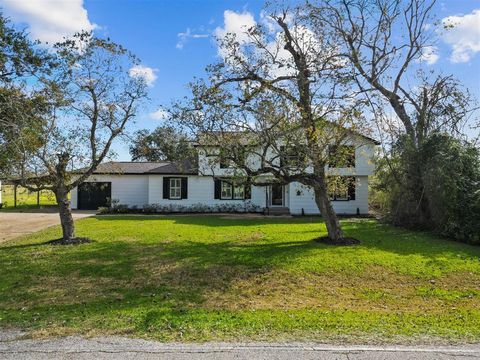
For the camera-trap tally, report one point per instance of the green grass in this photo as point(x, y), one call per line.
point(25, 199)
point(187, 278)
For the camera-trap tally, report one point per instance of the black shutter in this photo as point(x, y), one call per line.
point(248, 191)
point(217, 188)
point(282, 156)
point(351, 156)
point(166, 188)
point(351, 188)
point(332, 154)
point(184, 188)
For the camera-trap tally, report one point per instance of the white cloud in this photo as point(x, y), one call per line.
point(160, 114)
point(430, 55)
point(49, 20)
point(184, 36)
point(236, 23)
point(269, 23)
point(463, 34)
point(144, 72)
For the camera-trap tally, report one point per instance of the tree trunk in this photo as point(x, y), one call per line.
point(334, 229)
point(420, 208)
point(66, 219)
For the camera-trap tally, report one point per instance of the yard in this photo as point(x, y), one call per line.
point(196, 278)
point(25, 199)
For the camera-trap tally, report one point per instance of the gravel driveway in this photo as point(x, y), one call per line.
point(14, 224)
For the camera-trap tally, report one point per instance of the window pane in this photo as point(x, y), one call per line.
point(226, 190)
point(238, 192)
point(341, 156)
point(175, 188)
point(339, 188)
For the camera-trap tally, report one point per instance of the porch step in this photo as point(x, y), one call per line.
point(280, 210)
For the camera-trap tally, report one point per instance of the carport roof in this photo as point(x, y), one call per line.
point(144, 168)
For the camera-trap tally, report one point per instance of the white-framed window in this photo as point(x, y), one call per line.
point(175, 188)
point(342, 189)
point(226, 190)
point(239, 192)
point(230, 191)
point(340, 193)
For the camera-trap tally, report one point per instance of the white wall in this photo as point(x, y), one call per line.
point(200, 190)
point(131, 190)
point(139, 190)
point(364, 165)
point(306, 200)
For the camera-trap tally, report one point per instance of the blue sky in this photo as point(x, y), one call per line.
point(174, 39)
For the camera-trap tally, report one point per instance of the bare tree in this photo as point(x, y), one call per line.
point(91, 100)
point(279, 96)
point(386, 44)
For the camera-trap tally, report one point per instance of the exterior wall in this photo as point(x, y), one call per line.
point(131, 190)
point(139, 190)
point(302, 197)
point(363, 162)
point(200, 190)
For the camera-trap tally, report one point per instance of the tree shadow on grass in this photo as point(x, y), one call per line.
point(104, 279)
point(163, 284)
point(213, 220)
point(371, 233)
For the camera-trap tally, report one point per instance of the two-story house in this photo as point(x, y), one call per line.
point(137, 184)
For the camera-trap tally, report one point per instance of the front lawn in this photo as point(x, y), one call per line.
point(194, 278)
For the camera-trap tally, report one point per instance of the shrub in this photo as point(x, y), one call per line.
point(449, 170)
point(242, 207)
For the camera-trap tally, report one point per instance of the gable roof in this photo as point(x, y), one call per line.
point(144, 168)
point(240, 137)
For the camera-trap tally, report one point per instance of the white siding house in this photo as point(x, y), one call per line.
point(138, 184)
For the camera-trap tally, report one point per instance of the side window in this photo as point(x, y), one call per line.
point(342, 188)
point(175, 188)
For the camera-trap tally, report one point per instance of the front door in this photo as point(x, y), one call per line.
point(276, 195)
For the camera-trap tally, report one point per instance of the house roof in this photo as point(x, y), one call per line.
point(240, 137)
point(144, 168)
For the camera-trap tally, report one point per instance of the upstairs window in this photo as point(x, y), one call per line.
point(341, 156)
point(291, 157)
point(234, 160)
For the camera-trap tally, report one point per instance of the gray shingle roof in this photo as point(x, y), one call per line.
point(145, 168)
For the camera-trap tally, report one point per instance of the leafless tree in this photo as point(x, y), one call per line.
point(280, 96)
point(91, 100)
point(386, 44)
